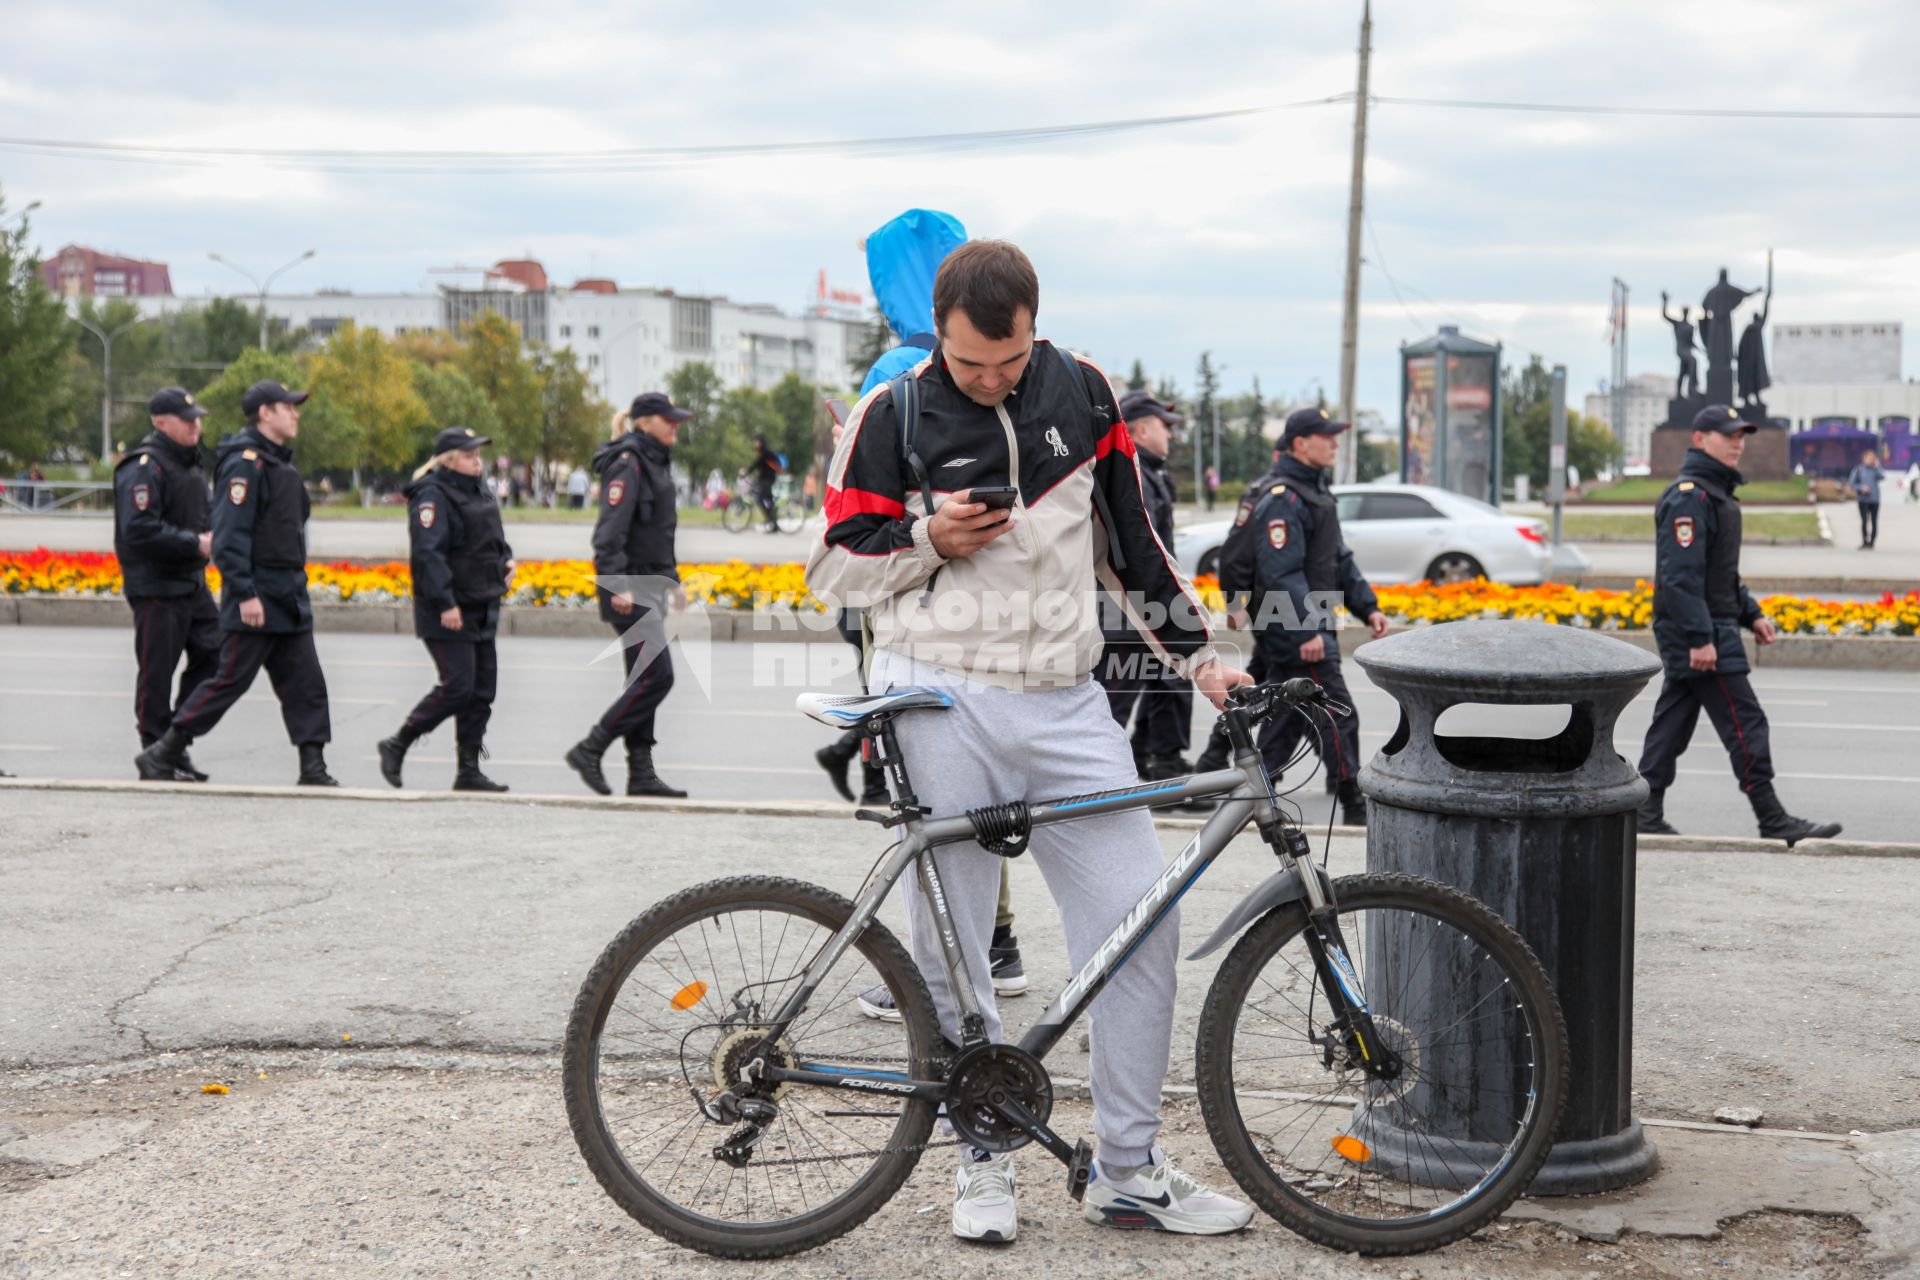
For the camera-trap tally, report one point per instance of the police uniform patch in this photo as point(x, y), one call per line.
point(249, 454)
point(142, 497)
point(1683, 531)
point(1277, 490)
point(1244, 514)
point(237, 492)
point(616, 492)
point(426, 515)
point(1686, 486)
point(1276, 534)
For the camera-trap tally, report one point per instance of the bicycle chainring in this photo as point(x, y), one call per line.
point(989, 1073)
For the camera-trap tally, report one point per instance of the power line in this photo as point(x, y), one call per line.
point(1589, 109)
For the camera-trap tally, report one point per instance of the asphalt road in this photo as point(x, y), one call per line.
point(1846, 744)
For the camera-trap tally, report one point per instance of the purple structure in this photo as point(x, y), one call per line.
point(1901, 450)
point(1831, 447)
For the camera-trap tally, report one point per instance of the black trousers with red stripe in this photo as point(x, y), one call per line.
point(469, 674)
point(1338, 743)
point(165, 627)
point(293, 665)
point(1730, 703)
point(1132, 677)
point(631, 715)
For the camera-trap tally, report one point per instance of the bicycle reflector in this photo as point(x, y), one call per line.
point(689, 996)
point(1351, 1148)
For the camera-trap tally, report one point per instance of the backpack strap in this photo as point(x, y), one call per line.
point(905, 391)
point(1102, 418)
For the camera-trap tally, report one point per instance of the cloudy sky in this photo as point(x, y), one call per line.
point(1158, 244)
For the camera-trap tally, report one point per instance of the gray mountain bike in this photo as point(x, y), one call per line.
point(727, 1092)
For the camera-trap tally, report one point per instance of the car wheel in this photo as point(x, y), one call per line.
point(1210, 561)
point(1454, 566)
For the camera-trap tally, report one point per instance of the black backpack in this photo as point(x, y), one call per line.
point(905, 391)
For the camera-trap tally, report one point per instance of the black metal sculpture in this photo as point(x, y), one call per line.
point(1751, 366)
point(1688, 382)
point(1732, 366)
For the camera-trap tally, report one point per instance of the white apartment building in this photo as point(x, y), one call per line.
point(628, 340)
point(1645, 396)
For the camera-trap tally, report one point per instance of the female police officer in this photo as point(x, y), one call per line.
point(637, 575)
point(461, 567)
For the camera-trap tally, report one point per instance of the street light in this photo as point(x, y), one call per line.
point(262, 286)
point(22, 215)
point(106, 376)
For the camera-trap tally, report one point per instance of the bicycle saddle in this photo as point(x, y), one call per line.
point(844, 711)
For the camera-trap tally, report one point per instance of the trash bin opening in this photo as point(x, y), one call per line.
point(1550, 738)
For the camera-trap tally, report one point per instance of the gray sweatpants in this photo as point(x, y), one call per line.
point(995, 746)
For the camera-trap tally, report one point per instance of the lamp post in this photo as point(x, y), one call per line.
point(106, 376)
point(21, 216)
point(262, 286)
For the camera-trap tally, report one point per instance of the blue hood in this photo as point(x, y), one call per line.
point(902, 257)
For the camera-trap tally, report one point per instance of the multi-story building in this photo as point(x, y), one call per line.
point(1835, 354)
point(628, 340)
point(1645, 397)
point(79, 271)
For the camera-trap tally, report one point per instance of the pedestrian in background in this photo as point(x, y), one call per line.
point(634, 565)
point(1699, 606)
point(1864, 483)
point(260, 546)
point(462, 567)
point(577, 488)
point(162, 535)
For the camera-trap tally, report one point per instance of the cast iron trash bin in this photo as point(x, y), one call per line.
point(1542, 831)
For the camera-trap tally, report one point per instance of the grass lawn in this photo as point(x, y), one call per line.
point(1649, 489)
point(1754, 524)
point(512, 515)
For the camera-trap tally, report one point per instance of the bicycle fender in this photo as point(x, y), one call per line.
point(1279, 889)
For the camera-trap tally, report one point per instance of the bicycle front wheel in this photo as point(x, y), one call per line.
point(1478, 1053)
point(736, 515)
point(673, 1012)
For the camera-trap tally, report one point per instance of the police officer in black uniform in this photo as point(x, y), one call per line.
point(160, 533)
point(260, 509)
point(1301, 568)
point(633, 559)
point(1699, 606)
point(1128, 670)
point(462, 567)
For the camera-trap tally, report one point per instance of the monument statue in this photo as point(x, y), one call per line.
point(1752, 358)
point(1687, 385)
point(1716, 334)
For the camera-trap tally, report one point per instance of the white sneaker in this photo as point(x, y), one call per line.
point(983, 1200)
point(1158, 1197)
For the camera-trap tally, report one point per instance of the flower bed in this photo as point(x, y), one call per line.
point(735, 584)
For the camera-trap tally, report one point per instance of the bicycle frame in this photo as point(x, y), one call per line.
point(1246, 795)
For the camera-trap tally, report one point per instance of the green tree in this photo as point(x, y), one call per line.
point(726, 442)
point(695, 387)
point(221, 397)
point(451, 400)
point(1526, 395)
point(36, 404)
point(1137, 377)
point(797, 404)
point(871, 341)
point(140, 366)
point(365, 410)
point(575, 417)
point(495, 362)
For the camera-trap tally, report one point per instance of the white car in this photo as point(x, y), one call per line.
point(1410, 533)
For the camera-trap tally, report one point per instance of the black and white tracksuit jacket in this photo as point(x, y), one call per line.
point(1020, 613)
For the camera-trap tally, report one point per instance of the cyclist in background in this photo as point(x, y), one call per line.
point(765, 466)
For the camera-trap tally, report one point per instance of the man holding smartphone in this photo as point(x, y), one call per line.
point(993, 605)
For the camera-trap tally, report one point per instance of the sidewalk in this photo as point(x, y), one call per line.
point(401, 974)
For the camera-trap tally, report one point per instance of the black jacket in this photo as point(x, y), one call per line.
point(633, 536)
point(1300, 564)
point(1697, 592)
point(260, 513)
point(1157, 493)
point(460, 555)
point(159, 513)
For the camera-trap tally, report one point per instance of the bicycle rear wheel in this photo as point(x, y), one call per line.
point(677, 1003)
point(737, 514)
point(1385, 1166)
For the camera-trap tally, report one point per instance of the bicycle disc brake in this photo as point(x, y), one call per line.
point(992, 1073)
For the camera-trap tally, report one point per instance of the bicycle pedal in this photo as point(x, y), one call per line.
point(1080, 1169)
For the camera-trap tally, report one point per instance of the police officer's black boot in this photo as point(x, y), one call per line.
point(1777, 824)
point(643, 781)
point(393, 752)
point(1353, 805)
point(313, 767)
point(585, 755)
point(837, 759)
point(164, 760)
point(873, 785)
point(469, 777)
point(189, 772)
point(1651, 818)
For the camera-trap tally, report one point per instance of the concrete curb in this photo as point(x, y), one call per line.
point(833, 809)
point(1819, 588)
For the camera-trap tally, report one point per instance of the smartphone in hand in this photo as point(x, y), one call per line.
point(997, 497)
